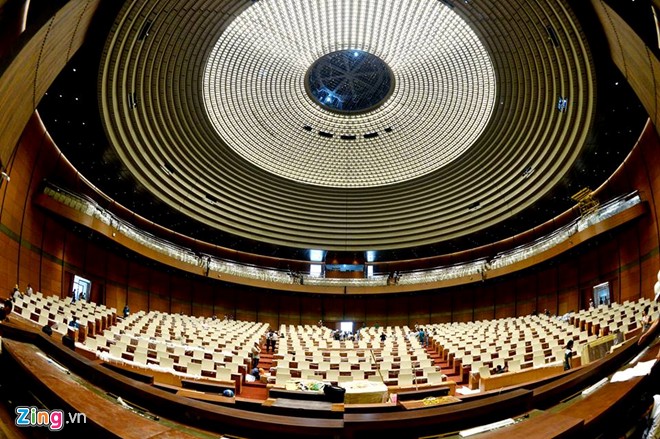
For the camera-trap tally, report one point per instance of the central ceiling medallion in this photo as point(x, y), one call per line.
point(349, 81)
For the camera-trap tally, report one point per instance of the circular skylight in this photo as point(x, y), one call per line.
point(349, 81)
point(259, 100)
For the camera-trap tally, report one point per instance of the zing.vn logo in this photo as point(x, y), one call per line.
point(53, 419)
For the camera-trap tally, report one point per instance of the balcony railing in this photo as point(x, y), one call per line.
point(469, 269)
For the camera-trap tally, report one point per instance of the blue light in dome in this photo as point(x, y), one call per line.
point(356, 53)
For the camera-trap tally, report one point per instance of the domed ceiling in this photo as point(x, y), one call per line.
point(170, 165)
point(210, 106)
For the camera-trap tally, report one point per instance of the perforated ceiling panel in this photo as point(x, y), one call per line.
point(436, 97)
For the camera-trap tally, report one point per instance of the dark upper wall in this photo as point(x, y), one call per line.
point(47, 251)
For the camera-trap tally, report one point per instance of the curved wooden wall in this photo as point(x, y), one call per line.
point(46, 251)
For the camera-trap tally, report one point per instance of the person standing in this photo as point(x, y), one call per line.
point(568, 354)
point(646, 318)
point(255, 355)
point(16, 294)
point(273, 340)
point(269, 338)
point(127, 310)
point(29, 290)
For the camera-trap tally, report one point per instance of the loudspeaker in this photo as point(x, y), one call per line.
point(334, 393)
point(47, 330)
point(69, 342)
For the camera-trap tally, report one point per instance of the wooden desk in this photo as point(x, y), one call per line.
point(303, 405)
point(428, 402)
point(208, 386)
point(508, 379)
point(603, 401)
point(546, 425)
point(424, 388)
point(99, 410)
point(203, 396)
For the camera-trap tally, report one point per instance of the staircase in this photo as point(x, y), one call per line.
point(445, 366)
point(257, 390)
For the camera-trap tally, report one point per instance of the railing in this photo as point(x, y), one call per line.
point(468, 269)
point(563, 234)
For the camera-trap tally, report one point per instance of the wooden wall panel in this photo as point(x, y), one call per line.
point(504, 300)
point(98, 292)
point(310, 311)
point(159, 302)
point(181, 290)
point(649, 276)
point(588, 268)
point(564, 303)
point(202, 300)
point(245, 306)
point(463, 304)
point(138, 299)
point(419, 309)
point(333, 309)
point(116, 268)
point(52, 244)
point(568, 287)
point(29, 268)
point(140, 277)
point(440, 307)
point(356, 310)
point(115, 296)
point(51, 277)
point(376, 311)
point(484, 303)
point(568, 299)
point(74, 250)
point(158, 284)
point(547, 290)
point(526, 295)
point(96, 261)
point(629, 258)
point(608, 258)
point(223, 301)
point(630, 283)
point(289, 309)
point(397, 311)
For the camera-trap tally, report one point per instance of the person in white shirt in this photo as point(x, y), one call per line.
point(29, 290)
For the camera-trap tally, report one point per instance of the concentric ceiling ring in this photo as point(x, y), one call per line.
point(255, 94)
point(153, 100)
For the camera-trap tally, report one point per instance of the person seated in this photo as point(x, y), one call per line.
point(499, 369)
point(73, 323)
